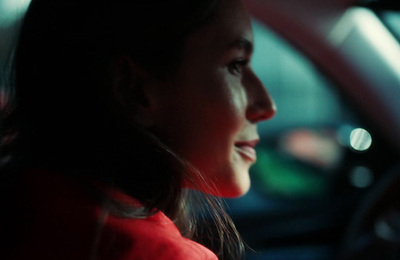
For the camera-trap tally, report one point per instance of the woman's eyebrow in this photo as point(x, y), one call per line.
point(242, 43)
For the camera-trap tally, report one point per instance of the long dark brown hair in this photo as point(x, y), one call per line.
point(68, 120)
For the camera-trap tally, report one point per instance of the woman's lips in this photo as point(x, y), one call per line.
point(246, 149)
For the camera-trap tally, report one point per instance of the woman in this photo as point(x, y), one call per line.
point(121, 106)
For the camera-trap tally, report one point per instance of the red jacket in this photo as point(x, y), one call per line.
point(64, 222)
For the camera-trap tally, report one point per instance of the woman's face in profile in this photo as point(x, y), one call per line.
point(209, 110)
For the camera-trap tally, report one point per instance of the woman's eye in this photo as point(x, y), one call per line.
point(236, 67)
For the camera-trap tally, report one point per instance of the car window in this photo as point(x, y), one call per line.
point(318, 145)
point(317, 158)
point(306, 141)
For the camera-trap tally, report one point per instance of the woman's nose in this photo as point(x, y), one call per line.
point(260, 106)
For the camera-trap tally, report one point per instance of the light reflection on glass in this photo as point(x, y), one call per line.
point(360, 139)
point(11, 10)
point(368, 24)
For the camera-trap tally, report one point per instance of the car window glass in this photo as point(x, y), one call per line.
point(304, 145)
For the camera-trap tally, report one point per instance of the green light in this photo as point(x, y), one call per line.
point(280, 177)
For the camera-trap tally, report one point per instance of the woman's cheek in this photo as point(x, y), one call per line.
point(238, 98)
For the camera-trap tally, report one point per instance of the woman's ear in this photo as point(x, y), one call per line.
point(129, 87)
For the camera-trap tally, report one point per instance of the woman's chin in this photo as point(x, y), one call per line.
point(233, 188)
point(235, 192)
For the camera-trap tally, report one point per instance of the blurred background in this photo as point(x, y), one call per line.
point(329, 158)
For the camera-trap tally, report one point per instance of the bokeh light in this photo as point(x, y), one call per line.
point(360, 139)
point(361, 177)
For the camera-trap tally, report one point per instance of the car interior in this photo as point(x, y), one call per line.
point(326, 182)
point(327, 179)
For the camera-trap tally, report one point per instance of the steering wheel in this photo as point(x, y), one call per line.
point(374, 230)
